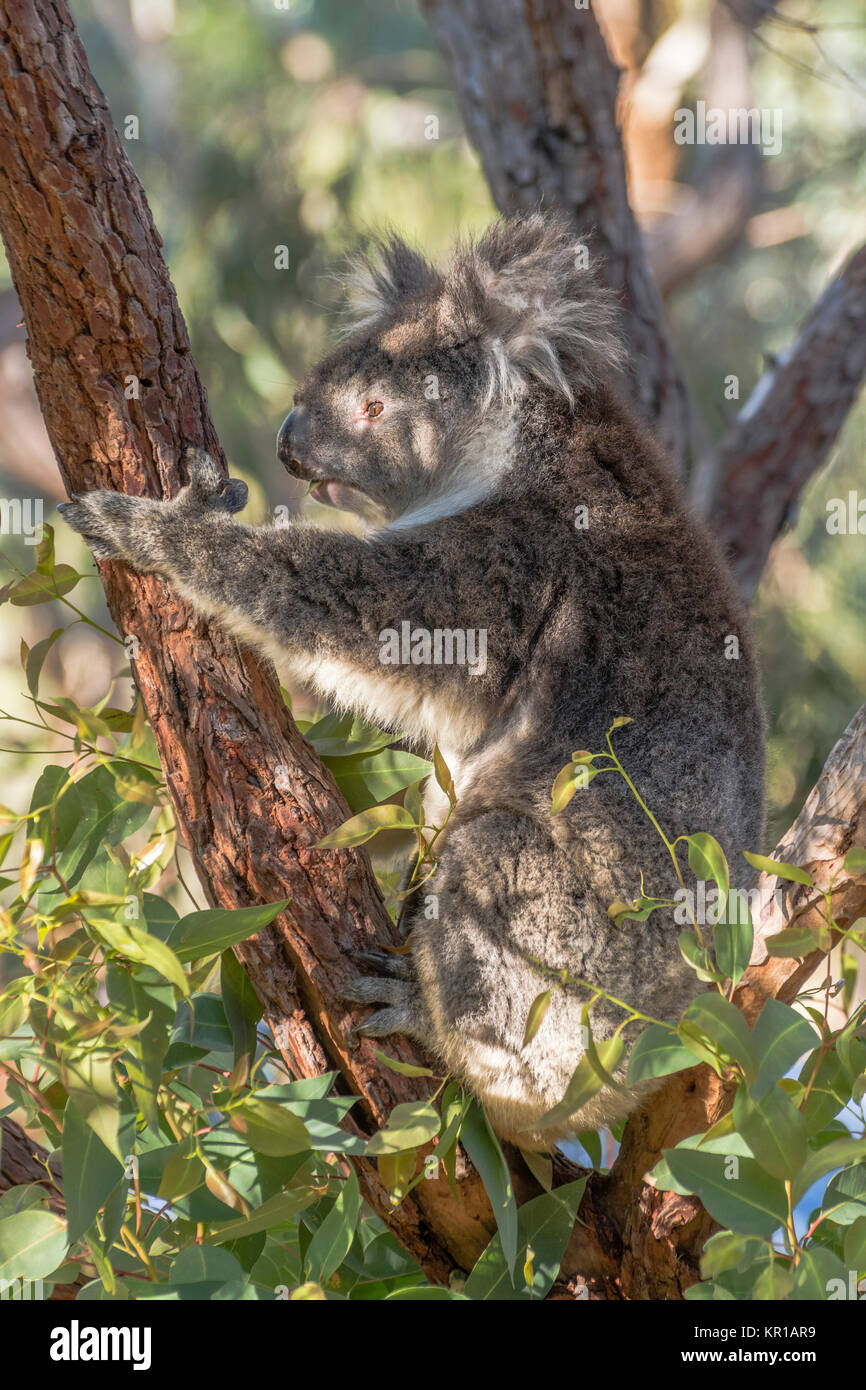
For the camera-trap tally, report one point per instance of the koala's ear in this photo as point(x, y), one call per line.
point(387, 273)
point(527, 292)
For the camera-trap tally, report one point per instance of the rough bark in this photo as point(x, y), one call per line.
point(538, 93)
point(251, 798)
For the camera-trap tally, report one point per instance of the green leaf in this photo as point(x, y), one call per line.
point(204, 1264)
point(855, 1245)
point(368, 778)
point(272, 1214)
point(409, 1126)
point(80, 818)
point(36, 659)
point(781, 1036)
point(241, 1003)
point(774, 1283)
point(90, 1172)
point(707, 861)
point(443, 774)
point(774, 1129)
point(32, 1244)
point(726, 1250)
point(133, 943)
point(485, 1151)
point(638, 911)
point(88, 1076)
point(22, 1197)
point(813, 1272)
point(749, 1201)
point(340, 735)
point(845, 1195)
point(402, 1068)
point(183, 1173)
point(425, 1293)
point(855, 861)
point(544, 1225)
point(698, 957)
point(270, 1128)
point(733, 940)
point(210, 932)
point(45, 550)
point(839, 1154)
point(830, 1091)
point(791, 943)
point(710, 1018)
point(359, 829)
point(41, 588)
point(657, 1052)
point(779, 867)
point(333, 1240)
point(573, 777)
point(201, 1022)
point(534, 1019)
point(585, 1082)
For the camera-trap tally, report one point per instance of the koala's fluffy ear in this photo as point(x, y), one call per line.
point(525, 290)
point(386, 274)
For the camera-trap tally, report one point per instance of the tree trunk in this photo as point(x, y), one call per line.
point(251, 797)
point(538, 94)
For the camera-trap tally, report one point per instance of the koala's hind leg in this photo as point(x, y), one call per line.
point(512, 911)
point(394, 985)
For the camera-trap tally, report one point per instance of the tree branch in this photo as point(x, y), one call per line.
point(787, 428)
point(711, 217)
point(538, 92)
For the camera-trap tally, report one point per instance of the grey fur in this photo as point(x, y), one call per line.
point(475, 490)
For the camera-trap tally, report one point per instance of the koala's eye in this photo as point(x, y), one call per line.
point(373, 409)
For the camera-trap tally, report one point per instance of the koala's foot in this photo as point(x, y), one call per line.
point(395, 986)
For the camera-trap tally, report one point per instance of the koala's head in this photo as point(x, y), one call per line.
point(417, 412)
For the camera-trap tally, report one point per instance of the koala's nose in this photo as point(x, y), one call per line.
point(293, 439)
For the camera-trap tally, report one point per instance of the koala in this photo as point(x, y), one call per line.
point(470, 417)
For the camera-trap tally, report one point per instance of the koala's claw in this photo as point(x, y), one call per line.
point(386, 963)
point(386, 1021)
point(208, 488)
point(101, 518)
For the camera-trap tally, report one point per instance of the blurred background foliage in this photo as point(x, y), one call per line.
point(303, 123)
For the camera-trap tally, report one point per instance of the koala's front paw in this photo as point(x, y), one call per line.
point(153, 535)
point(110, 522)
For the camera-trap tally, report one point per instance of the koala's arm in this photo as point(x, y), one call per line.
point(321, 597)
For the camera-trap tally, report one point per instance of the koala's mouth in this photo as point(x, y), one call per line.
point(329, 493)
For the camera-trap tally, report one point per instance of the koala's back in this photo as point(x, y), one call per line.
point(631, 614)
